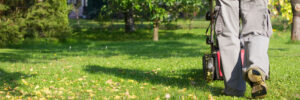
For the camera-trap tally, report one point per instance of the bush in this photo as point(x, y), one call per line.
point(10, 32)
point(37, 19)
point(48, 19)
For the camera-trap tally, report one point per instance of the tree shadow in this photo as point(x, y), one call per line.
point(8, 82)
point(12, 57)
point(39, 52)
point(117, 33)
point(163, 49)
point(278, 49)
point(183, 81)
point(27, 56)
point(90, 40)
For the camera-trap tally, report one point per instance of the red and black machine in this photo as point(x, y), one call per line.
point(212, 63)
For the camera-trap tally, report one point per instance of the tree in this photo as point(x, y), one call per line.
point(128, 8)
point(161, 10)
point(12, 24)
point(296, 20)
point(48, 19)
point(3, 8)
point(190, 8)
point(290, 10)
point(93, 8)
point(158, 12)
point(33, 19)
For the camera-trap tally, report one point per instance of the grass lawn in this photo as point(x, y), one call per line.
point(108, 64)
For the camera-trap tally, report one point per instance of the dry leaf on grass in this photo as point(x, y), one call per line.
point(25, 82)
point(210, 97)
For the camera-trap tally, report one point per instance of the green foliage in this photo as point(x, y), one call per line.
point(157, 9)
point(153, 10)
point(10, 32)
point(48, 19)
point(3, 7)
point(285, 11)
point(127, 8)
point(11, 23)
point(190, 7)
point(120, 6)
point(93, 9)
point(33, 19)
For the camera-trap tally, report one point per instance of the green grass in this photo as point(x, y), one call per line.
point(104, 63)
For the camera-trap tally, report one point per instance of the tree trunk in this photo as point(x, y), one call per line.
point(190, 23)
point(129, 22)
point(77, 15)
point(155, 30)
point(142, 24)
point(296, 20)
point(112, 23)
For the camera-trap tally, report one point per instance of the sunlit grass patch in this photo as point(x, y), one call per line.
point(132, 69)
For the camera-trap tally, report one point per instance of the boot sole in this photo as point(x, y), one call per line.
point(259, 89)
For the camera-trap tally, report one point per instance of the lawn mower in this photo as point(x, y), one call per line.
point(212, 63)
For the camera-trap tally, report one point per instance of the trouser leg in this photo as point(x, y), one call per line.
point(255, 33)
point(227, 30)
point(257, 54)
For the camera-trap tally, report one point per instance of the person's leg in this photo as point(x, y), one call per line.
point(255, 33)
point(227, 30)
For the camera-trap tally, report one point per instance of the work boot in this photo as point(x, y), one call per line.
point(256, 79)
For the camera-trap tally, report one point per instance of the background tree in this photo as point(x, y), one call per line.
point(296, 20)
point(158, 12)
point(128, 8)
point(289, 9)
point(12, 23)
point(174, 12)
point(3, 8)
point(22, 19)
point(93, 8)
point(190, 8)
point(48, 19)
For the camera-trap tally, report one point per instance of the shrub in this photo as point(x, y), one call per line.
point(10, 32)
point(48, 19)
point(34, 19)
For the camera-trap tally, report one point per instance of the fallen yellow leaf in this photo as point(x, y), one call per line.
point(117, 97)
point(157, 98)
point(109, 81)
point(131, 96)
point(25, 82)
point(182, 90)
point(210, 97)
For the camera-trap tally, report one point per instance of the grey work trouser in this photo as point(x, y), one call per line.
point(255, 33)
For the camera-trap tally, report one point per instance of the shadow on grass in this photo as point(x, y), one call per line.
point(147, 76)
point(118, 34)
point(293, 42)
point(278, 49)
point(38, 52)
point(27, 56)
point(138, 44)
point(12, 57)
point(146, 25)
point(9, 82)
point(93, 30)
